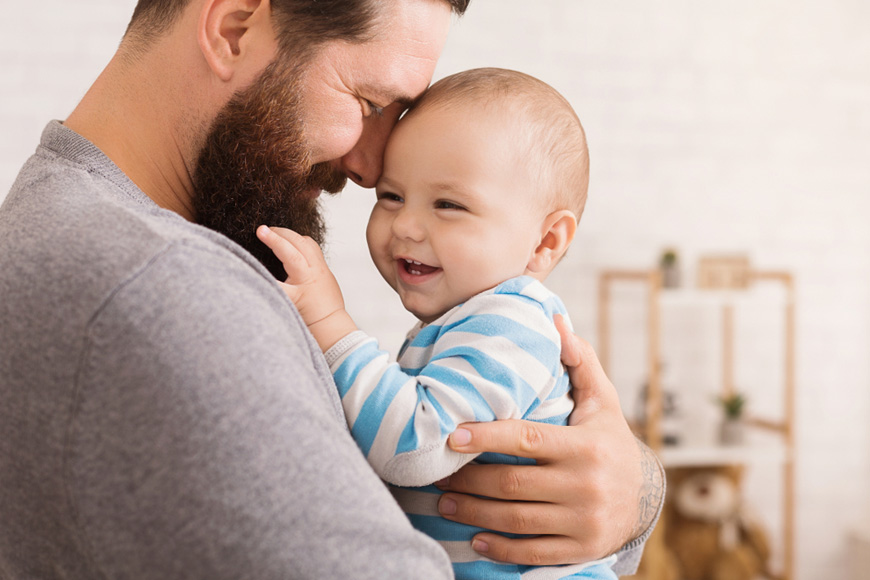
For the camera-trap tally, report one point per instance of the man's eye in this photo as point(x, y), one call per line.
point(372, 109)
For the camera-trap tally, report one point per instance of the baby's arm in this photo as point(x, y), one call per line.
point(368, 383)
point(476, 365)
point(479, 368)
point(310, 285)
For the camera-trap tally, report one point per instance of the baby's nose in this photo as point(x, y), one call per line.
point(407, 226)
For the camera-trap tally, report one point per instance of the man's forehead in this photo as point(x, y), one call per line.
point(389, 90)
point(402, 54)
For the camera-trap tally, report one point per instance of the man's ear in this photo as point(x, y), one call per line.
point(228, 31)
point(557, 233)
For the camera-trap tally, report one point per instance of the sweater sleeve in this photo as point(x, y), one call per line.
point(495, 357)
point(207, 440)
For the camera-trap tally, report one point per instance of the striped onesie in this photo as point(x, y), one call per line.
point(495, 356)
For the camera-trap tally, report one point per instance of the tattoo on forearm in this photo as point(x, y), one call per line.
point(652, 493)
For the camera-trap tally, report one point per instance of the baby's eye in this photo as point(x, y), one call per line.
point(446, 204)
point(388, 196)
point(369, 109)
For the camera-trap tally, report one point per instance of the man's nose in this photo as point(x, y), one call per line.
point(364, 163)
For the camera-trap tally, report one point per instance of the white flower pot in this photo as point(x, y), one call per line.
point(731, 432)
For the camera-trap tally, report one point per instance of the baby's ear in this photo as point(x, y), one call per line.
point(557, 233)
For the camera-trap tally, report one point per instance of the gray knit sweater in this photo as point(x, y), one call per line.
point(163, 411)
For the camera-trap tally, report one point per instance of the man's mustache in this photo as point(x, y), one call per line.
point(326, 178)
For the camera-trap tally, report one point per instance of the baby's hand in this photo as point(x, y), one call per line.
point(310, 284)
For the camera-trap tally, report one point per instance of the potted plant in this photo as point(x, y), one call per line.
point(731, 430)
point(670, 269)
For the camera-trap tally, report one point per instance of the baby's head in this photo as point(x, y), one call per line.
point(545, 135)
point(484, 179)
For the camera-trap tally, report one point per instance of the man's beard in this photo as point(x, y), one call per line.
point(254, 167)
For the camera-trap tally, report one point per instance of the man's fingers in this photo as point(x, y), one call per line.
point(589, 376)
point(526, 518)
point(591, 388)
point(509, 482)
point(540, 441)
point(570, 343)
point(507, 517)
point(540, 551)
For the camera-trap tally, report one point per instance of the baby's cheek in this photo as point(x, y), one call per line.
point(377, 235)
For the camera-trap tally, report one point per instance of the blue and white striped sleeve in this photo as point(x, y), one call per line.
point(495, 357)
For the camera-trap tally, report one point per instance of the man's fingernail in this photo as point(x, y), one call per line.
point(447, 506)
point(480, 546)
point(461, 437)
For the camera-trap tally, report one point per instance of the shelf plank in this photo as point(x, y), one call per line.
point(698, 456)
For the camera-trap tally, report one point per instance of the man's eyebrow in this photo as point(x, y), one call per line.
point(403, 99)
point(390, 95)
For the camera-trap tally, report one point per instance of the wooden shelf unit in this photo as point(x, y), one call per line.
point(712, 455)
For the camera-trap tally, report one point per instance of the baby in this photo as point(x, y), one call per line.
point(483, 184)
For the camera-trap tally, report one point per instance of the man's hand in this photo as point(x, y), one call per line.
point(310, 284)
point(594, 489)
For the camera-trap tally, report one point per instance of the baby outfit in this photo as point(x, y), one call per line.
point(495, 356)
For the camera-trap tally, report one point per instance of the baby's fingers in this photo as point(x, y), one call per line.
point(292, 292)
point(303, 244)
point(294, 261)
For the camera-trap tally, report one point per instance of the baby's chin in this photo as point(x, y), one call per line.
point(425, 317)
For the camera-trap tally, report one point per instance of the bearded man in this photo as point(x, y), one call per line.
point(153, 429)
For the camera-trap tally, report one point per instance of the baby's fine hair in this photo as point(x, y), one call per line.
point(552, 139)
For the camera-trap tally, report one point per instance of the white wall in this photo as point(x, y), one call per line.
point(726, 126)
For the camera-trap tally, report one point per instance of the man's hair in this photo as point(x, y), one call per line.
point(550, 139)
point(301, 24)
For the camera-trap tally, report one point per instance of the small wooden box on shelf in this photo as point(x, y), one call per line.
point(721, 279)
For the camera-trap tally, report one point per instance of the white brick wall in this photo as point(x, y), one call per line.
point(727, 126)
point(49, 56)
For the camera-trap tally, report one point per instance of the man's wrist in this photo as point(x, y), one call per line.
point(651, 495)
point(650, 501)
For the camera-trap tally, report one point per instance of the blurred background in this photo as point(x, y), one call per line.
point(737, 129)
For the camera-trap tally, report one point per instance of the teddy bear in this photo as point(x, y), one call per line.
point(709, 533)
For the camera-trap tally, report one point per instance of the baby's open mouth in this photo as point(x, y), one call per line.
point(416, 268)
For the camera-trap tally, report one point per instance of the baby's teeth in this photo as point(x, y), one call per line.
point(413, 263)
